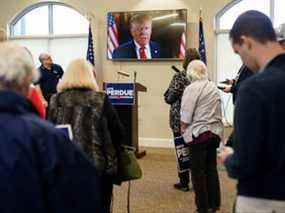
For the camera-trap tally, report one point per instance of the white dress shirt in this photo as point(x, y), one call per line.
point(201, 109)
point(147, 50)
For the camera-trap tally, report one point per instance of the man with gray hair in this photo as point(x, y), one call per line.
point(40, 169)
point(50, 75)
point(140, 47)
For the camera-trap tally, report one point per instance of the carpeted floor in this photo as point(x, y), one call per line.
point(154, 193)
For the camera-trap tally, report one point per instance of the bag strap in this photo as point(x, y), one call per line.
point(128, 197)
point(199, 97)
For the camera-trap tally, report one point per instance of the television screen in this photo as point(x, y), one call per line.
point(146, 35)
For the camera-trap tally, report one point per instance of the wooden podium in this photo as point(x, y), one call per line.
point(129, 117)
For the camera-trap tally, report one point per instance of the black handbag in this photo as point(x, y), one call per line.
point(128, 166)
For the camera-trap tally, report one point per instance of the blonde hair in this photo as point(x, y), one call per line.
point(16, 63)
point(79, 74)
point(197, 70)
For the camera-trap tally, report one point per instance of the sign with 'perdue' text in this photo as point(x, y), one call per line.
point(120, 93)
point(182, 154)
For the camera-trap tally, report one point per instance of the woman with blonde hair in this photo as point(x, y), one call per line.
point(79, 74)
point(96, 126)
point(202, 129)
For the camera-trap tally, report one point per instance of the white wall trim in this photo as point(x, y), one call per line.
point(156, 142)
point(50, 36)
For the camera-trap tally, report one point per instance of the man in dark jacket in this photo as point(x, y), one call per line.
point(140, 47)
point(41, 171)
point(243, 74)
point(50, 73)
point(258, 159)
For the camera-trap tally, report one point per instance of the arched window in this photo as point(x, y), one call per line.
point(279, 15)
point(54, 28)
point(228, 15)
point(228, 62)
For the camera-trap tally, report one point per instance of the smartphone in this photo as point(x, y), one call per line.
point(221, 88)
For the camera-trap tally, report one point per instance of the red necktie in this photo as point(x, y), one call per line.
point(142, 53)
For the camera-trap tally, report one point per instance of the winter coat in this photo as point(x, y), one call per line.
point(173, 96)
point(95, 124)
point(41, 171)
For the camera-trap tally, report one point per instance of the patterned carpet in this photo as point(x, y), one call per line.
point(154, 193)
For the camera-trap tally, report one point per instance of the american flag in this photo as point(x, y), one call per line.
point(182, 46)
point(113, 42)
point(202, 48)
point(90, 50)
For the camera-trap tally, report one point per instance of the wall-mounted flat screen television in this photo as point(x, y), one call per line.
point(146, 35)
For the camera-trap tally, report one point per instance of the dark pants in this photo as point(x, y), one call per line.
point(204, 175)
point(107, 194)
point(183, 176)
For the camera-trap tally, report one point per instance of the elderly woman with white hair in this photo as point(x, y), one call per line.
point(202, 128)
point(35, 93)
point(40, 169)
point(95, 124)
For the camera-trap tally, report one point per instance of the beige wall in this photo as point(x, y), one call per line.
point(153, 116)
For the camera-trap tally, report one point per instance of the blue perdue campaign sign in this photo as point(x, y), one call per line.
point(182, 154)
point(120, 93)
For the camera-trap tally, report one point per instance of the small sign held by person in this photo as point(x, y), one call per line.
point(182, 154)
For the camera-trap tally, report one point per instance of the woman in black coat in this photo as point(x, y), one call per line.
point(95, 124)
point(173, 96)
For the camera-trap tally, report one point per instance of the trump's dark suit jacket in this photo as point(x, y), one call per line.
point(128, 50)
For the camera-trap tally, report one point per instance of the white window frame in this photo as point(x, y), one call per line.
point(50, 34)
point(219, 31)
point(232, 4)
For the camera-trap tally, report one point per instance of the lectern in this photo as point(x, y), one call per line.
point(124, 97)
